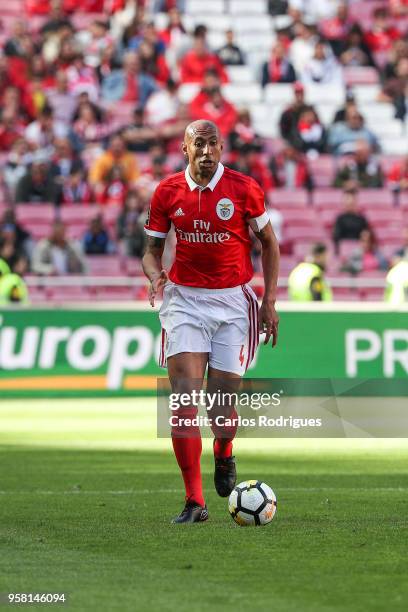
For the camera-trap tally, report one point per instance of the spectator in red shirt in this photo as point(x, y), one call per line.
point(382, 33)
point(216, 109)
point(153, 63)
point(278, 69)
point(76, 189)
point(199, 59)
point(309, 134)
point(290, 170)
point(129, 84)
point(249, 162)
point(335, 29)
point(10, 132)
point(398, 175)
point(243, 133)
point(175, 30)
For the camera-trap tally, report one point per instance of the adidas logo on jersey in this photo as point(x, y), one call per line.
point(179, 212)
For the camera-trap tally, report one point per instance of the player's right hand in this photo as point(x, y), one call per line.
point(156, 283)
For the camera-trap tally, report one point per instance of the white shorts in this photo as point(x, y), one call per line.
point(220, 322)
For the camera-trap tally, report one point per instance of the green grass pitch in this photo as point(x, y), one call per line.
point(87, 492)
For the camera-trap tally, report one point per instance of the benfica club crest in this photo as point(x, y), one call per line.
point(225, 209)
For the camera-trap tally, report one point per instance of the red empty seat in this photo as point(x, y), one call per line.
point(385, 216)
point(105, 265)
point(347, 248)
point(389, 233)
point(76, 230)
point(322, 170)
point(346, 294)
point(375, 197)
point(282, 198)
point(79, 213)
point(68, 293)
point(38, 229)
point(360, 75)
point(404, 200)
point(328, 198)
point(299, 216)
point(28, 214)
point(301, 248)
point(306, 232)
point(134, 267)
point(287, 263)
point(115, 293)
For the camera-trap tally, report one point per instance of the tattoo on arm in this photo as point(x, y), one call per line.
point(155, 245)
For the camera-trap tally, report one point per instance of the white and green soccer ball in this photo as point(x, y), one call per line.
point(252, 503)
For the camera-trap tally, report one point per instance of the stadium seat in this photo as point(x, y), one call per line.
point(255, 42)
point(328, 217)
point(347, 248)
point(133, 266)
point(313, 233)
point(79, 213)
point(403, 200)
point(214, 21)
point(105, 265)
point(299, 216)
point(237, 7)
point(324, 94)
point(391, 128)
point(278, 94)
point(240, 74)
point(240, 94)
point(68, 293)
point(29, 214)
point(322, 170)
point(283, 198)
point(395, 146)
point(212, 6)
point(81, 21)
point(113, 294)
point(360, 75)
point(379, 216)
point(378, 112)
point(389, 233)
point(368, 198)
point(252, 23)
point(328, 198)
point(286, 264)
point(366, 94)
point(187, 92)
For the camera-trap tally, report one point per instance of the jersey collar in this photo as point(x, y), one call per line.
point(212, 184)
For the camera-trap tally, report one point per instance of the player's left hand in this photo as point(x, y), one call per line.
point(156, 283)
point(268, 322)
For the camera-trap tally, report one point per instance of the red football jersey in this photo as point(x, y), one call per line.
point(211, 225)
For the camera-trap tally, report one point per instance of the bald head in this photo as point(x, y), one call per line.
point(202, 127)
point(202, 146)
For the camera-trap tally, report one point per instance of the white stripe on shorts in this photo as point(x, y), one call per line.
point(253, 325)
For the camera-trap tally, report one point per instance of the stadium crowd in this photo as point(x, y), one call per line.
point(94, 106)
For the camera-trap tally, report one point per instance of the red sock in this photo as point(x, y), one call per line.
point(224, 436)
point(222, 448)
point(187, 448)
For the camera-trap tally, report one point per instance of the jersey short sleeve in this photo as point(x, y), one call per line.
point(157, 222)
point(255, 207)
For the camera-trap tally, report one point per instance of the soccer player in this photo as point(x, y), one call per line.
point(209, 315)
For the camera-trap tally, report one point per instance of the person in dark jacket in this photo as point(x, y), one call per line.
point(350, 223)
point(38, 184)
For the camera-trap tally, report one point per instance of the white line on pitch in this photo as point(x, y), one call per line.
point(158, 491)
